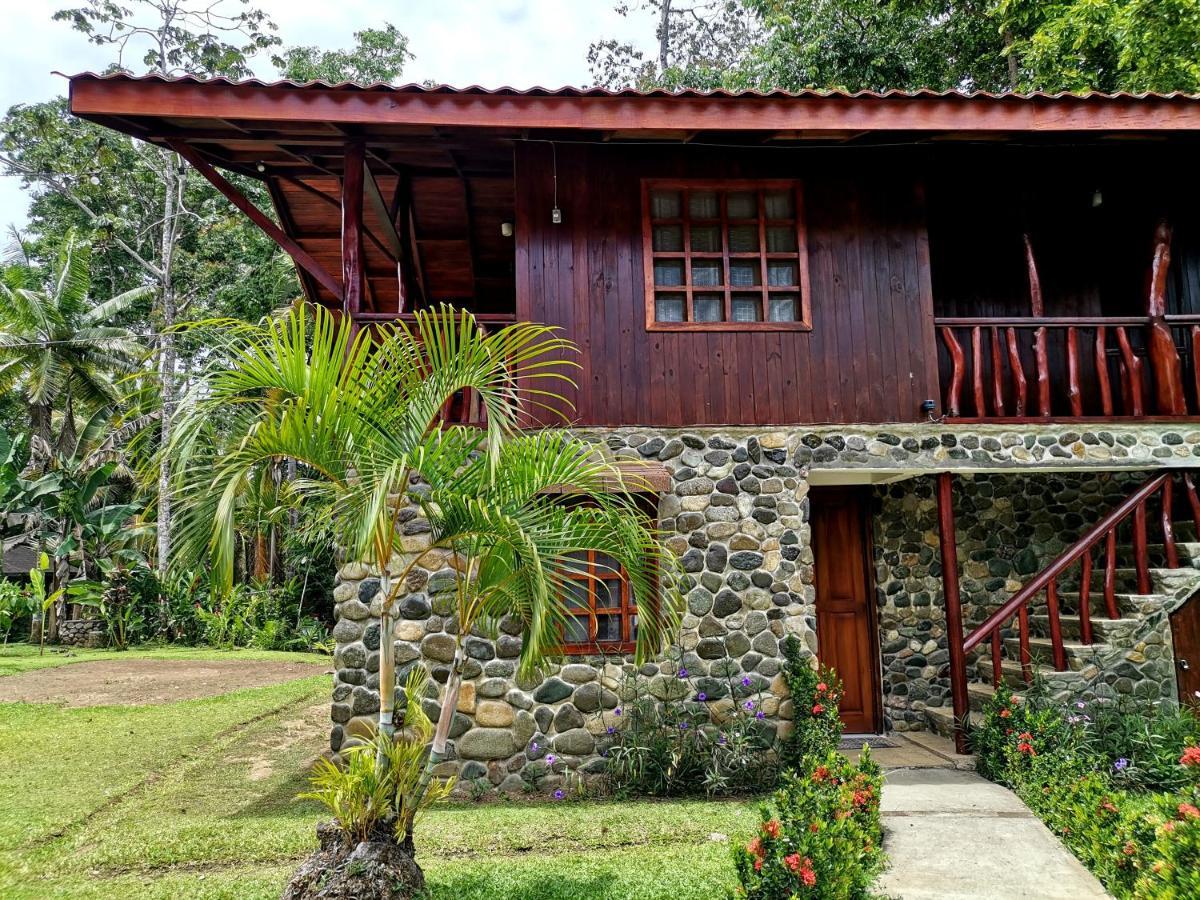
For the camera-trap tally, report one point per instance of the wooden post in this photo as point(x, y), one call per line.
point(352, 225)
point(954, 633)
point(1037, 309)
point(1164, 357)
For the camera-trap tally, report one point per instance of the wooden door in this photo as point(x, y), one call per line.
point(1185, 635)
point(847, 638)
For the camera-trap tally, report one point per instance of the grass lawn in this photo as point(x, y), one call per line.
point(196, 799)
point(17, 658)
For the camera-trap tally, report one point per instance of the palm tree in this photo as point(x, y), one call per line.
point(361, 417)
point(58, 348)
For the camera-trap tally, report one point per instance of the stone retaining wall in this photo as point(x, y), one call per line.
point(83, 633)
point(736, 516)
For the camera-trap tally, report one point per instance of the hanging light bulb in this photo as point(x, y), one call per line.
point(1097, 198)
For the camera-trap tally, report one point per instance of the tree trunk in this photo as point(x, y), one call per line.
point(172, 185)
point(387, 663)
point(664, 36)
point(437, 752)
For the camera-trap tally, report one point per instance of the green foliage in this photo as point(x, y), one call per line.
point(704, 736)
point(379, 778)
point(992, 45)
point(379, 55)
point(820, 835)
point(15, 606)
point(815, 693)
point(1122, 794)
point(258, 615)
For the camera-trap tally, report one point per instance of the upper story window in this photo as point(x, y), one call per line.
point(601, 614)
point(725, 256)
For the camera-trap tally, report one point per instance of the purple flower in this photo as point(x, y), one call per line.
point(702, 696)
point(617, 711)
point(683, 673)
point(558, 795)
point(533, 746)
point(550, 757)
point(1120, 764)
point(683, 726)
point(721, 740)
point(760, 715)
point(611, 729)
point(1080, 705)
point(749, 704)
point(746, 681)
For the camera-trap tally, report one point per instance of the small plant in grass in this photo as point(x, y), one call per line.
point(820, 835)
point(479, 788)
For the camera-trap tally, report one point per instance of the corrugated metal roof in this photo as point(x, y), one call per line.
point(567, 91)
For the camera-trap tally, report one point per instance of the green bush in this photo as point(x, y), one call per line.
point(16, 606)
point(815, 694)
point(683, 736)
point(1137, 831)
point(820, 834)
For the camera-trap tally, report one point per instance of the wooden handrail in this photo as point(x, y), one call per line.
point(1180, 319)
point(1084, 545)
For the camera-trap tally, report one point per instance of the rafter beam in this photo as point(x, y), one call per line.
point(298, 254)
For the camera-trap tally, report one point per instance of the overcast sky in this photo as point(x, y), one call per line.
point(489, 42)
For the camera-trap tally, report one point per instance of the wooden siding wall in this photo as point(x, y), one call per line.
point(870, 356)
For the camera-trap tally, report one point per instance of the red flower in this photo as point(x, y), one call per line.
point(820, 773)
point(1013, 701)
point(792, 862)
point(814, 827)
point(771, 828)
point(822, 687)
point(1108, 806)
point(1169, 826)
point(1005, 713)
point(1129, 849)
point(861, 798)
point(807, 875)
point(758, 865)
point(1191, 757)
point(1025, 736)
point(818, 709)
point(1188, 811)
point(756, 847)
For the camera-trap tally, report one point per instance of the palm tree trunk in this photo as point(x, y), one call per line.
point(173, 182)
point(387, 663)
point(441, 735)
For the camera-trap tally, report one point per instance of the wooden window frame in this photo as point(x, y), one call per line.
point(724, 187)
point(626, 610)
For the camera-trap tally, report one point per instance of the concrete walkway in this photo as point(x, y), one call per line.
point(952, 834)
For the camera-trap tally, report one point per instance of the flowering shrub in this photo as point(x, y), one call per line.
point(815, 696)
point(698, 736)
point(1124, 795)
point(820, 834)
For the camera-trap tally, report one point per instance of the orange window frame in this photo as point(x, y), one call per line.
point(592, 579)
point(764, 290)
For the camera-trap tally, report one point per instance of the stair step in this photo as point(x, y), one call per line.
point(1104, 629)
point(1041, 649)
point(1161, 577)
point(1129, 604)
point(941, 720)
point(979, 695)
point(1010, 671)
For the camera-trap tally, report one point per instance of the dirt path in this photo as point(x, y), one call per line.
point(144, 682)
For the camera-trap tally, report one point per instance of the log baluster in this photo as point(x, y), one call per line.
point(1196, 363)
point(1131, 373)
point(997, 664)
point(1026, 657)
point(1168, 526)
point(1020, 386)
point(1074, 392)
point(1110, 574)
point(997, 374)
point(1042, 375)
point(977, 372)
point(1056, 639)
point(1102, 380)
point(1193, 501)
point(1141, 553)
point(957, 375)
point(1085, 590)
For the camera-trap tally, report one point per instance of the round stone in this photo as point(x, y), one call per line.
point(578, 674)
point(493, 714)
point(576, 742)
point(486, 743)
point(726, 604)
point(493, 688)
point(567, 717)
point(552, 690)
point(439, 647)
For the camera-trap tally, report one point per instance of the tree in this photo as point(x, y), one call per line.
point(195, 37)
point(379, 55)
point(361, 416)
point(877, 45)
point(58, 349)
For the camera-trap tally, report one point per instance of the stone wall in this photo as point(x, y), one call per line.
point(736, 517)
point(83, 633)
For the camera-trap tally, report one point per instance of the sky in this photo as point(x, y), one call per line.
point(490, 42)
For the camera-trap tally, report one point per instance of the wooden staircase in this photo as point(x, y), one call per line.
point(1087, 610)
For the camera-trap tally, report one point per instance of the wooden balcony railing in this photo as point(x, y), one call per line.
point(1067, 367)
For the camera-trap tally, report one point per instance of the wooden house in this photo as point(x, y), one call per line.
point(915, 372)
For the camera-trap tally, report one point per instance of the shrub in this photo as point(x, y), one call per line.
point(820, 835)
point(815, 694)
point(697, 736)
point(1072, 767)
point(15, 607)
